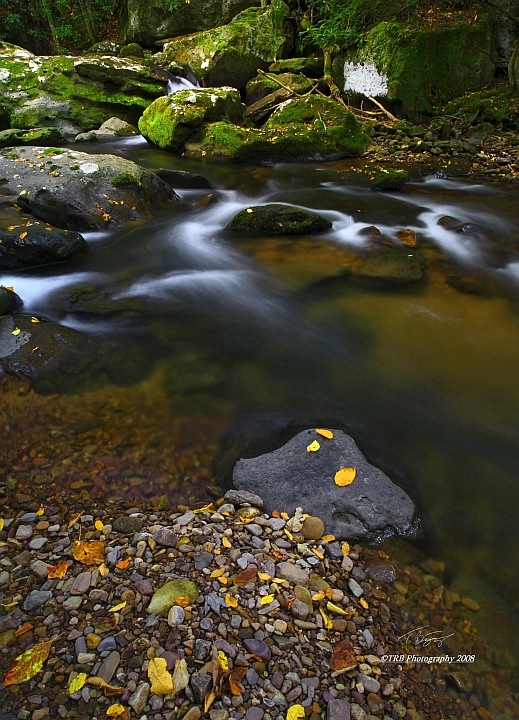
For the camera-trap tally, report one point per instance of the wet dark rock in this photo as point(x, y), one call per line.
point(372, 507)
point(391, 269)
point(35, 599)
point(31, 244)
point(126, 524)
point(389, 179)
point(338, 710)
point(238, 497)
point(9, 300)
point(78, 191)
point(183, 179)
point(200, 683)
point(277, 219)
point(258, 648)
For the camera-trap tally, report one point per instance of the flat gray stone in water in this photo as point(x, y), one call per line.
point(371, 508)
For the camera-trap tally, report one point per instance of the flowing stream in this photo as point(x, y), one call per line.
point(425, 376)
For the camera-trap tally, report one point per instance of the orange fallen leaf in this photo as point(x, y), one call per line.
point(29, 663)
point(245, 576)
point(345, 476)
point(108, 689)
point(235, 678)
point(74, 520)
point(343, 657)
point(88, 552)
point(325, 433)
point(24, 628)
point(124, 563)
point(231, 601)
point(183, 601)
point(59, 570)
point(226, 542)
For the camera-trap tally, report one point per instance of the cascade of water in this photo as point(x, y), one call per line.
point(177, 83)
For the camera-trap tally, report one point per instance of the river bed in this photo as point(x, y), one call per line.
point(425, 376)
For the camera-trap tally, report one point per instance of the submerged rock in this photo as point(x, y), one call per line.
point(78, 191)
point(370, 508)
point(391, 269)
point(277, 219)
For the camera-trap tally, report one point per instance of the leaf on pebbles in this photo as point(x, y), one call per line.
point(88, 552)
point(29, 663)
point(235, 678)
point(267, 599)
point(174, 592)
point(231, 601)
point(180, 676)
point(313, 447)
point(295, 712)
point(345, 476)
point(59, 570)
point(245, 576)
point(343, 657)
point(77, 683)
point(160, 678)
point(118, 711)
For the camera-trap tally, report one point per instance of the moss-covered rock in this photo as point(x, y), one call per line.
point(76, 191)
point(173, 120)
point(147, 21)
point(231, 54)
point(73, 93)
point(420, 67)
point(498, 106)
point(36, 136)
point(277, 219)
point(388, 179)
point(312, 67)
point(391, 269)
point(262, 85)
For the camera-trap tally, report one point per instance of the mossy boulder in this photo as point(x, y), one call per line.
point(497, 106)
point(37, 136)
point(78, 191)
point(172, 593)
point(173, 120)
point(73, 93)
point(33, 243)
point(277, 219)
point(262, 85)
point(312, 67)
point(417, 68)
point(310, 128)
point(231, 54)
point(388, 179)
point(147, 21)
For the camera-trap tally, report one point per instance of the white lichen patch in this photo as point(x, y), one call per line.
point(89, 168)
point(4, 74)
point(364, 79)
point(34, 64)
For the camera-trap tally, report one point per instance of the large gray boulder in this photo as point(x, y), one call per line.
point(371, 508)
point(71, 93)
point(147, 20)
point(32, 243)
point(78, 191)
point(231, 54)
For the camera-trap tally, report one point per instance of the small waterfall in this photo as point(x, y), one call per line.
point(177, 83)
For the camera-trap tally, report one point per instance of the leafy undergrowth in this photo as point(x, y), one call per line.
point(498, 106)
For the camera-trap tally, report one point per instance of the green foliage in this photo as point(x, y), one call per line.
point(337, 24)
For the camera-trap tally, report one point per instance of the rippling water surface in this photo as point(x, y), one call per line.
point(426, 376)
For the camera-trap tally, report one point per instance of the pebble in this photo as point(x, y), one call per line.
point(109, 666)
point(40, 568)
point(254, 713)
point(127, 525)
point(176, 615)
point(35, 599)
point(239, 497)
point(81, 583)
point(24, 532)
point(355, 587)
point(139, 698)
point(165, 537)
point(37, 543)
point(470, 604)
point(72, 603)
point(293, 573)
point(312, 528)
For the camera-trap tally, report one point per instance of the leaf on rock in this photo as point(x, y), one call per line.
point(295, 712)
point(99, 525)
point(174, 592)
point(115, 608)
point(29, 663)
point(77, 683)
point(74, 520)
point(235, 678)
point(245, 576)
point(267, 599)
point(313, 447)
point(124, 563)
point(231, 601)
point(41, 509)
point(160, 677)
point(336, 609)
point(325, 433)
point(328, 622)
point(223, 661)
point(343, 657)
point(16, 331)
point(59, 570)
point(345, 476)
point(226, 542)
point(180, 676)
point(88, 552)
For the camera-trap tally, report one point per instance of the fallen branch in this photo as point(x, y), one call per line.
point(386, 112)
point(274, 79)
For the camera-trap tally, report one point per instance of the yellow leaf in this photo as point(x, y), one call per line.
point(29, 663)
point(267, 599)
point(223, 661)
point(295, 712)
point(231, 601)
point(336, 609)
point(40, 510)
point(74, 520)
point(345, 547)
point(77, 683)
point(318, 595)
point(345, 476)
point(99, 525)
point(364, 603)
point(23, 235)
point(88, 552)
point(328, 538)
point(223, 580)
point(16, 331)
point(325, 433)
point(218, 572)
point(180, 676)
point(209, 699)
point(249, 210)
point(116, 710)
point(285, 516)
point(264, 576)
point(313, 447)
point(1, 523)
point(278, 581)
point(103, 570)
point(226, 542)
point(288, 534)
point(117, 607)
point(328, 624)
point(318, 554)
point(108, 689)
point(161, 679)
point(206, 508)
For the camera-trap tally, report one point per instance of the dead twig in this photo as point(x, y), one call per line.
point(386, 112)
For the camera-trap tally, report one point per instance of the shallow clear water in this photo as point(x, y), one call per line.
point(426, 376)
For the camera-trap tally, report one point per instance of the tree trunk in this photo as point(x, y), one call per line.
point(50, 22)
point(86, 12)
point(513, 69)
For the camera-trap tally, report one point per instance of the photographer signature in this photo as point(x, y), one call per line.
point(420, 639)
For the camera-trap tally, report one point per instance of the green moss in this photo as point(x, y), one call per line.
point(53, 151)
point(428, 66)
point(498, 106)
point(388, 179)
point(126, 178)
